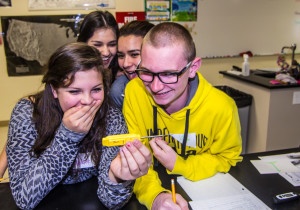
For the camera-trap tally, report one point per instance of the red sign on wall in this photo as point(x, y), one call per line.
point(125, 17)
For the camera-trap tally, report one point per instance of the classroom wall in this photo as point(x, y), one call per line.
point(233, 26)
point(13, 88)
point(210, 67)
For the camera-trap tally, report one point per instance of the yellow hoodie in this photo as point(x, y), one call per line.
point(214, 135)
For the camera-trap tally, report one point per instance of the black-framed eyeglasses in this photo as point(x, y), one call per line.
point(165, 77)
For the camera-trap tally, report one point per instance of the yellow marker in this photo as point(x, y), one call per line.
point(121, 139)
point(1, 179)
point(173, 190)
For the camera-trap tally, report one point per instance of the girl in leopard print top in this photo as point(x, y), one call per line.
point(55, 135)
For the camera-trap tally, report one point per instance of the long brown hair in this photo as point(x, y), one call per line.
point(47, 113)
point(100, 20)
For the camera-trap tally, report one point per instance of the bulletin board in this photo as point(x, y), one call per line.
point(226, 28)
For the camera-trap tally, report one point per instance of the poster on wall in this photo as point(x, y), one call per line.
point(30, 40)
point(157, 10)
point(125, 17)
point(171, 10)
point(5, 3)
point(70, 4)
point(183, 10)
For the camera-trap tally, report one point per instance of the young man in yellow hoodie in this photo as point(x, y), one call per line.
point(172, 98)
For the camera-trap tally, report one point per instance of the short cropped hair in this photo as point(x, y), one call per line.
point(170, 34)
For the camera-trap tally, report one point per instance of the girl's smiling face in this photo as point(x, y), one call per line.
point(129, 54)
point(105, 40)
point(87, 87)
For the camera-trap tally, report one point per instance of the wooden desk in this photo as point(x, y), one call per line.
point(83, 196)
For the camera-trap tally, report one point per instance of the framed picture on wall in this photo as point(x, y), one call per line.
point(158, 10)
point(171, 10)
point(30, 40)
point(184, 10)
point(5, 3)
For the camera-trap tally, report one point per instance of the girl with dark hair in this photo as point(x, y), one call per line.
point(54, 136)
point(100, 29)
point(129, 56)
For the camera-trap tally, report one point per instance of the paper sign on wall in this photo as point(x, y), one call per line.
point(125, 17)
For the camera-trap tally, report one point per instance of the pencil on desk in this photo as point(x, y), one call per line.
point(4, 179)
point(173, 190)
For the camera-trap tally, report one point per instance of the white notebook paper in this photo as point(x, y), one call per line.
point(222, 192)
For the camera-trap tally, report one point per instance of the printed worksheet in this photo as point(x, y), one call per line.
point(286, 165)
point(274, 166)
point(221, 191)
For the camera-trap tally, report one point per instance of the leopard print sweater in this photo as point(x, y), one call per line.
point(31, 178)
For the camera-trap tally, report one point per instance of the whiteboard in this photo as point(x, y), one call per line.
point(229, 27)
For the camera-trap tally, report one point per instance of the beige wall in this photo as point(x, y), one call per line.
point(210, 67)
point(13, 88)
